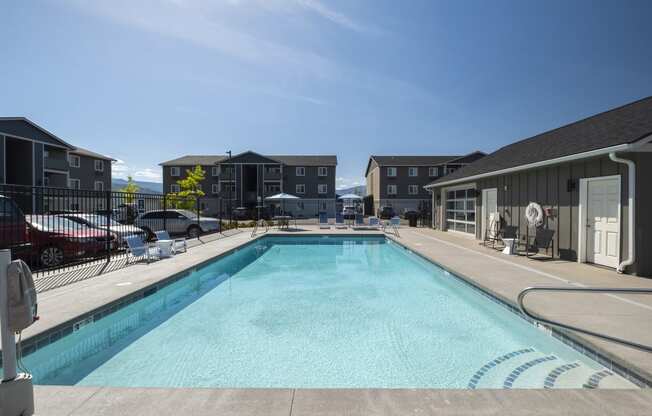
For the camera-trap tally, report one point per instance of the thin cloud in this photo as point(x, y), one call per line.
point(120, 170)
point(334, 16)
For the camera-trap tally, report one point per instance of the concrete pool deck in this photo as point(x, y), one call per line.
point(504, 276)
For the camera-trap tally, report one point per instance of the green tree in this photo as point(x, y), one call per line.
point(189, 190)
point(130, 189)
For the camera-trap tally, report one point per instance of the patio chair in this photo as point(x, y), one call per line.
point(339, 221)
point(374, 222)
point(358, 222)
point(543, 239)
point(493, 233)
point(393, 224)
point(178, 243)
point(323, 221)
point(136, 247)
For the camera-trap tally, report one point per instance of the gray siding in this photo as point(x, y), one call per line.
point(548, 186)
point(87, 174)
point(38, 164)
point(2, 159)
point(311, 181)
point(23, 129)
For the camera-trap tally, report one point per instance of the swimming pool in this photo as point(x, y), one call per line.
point(316, 312)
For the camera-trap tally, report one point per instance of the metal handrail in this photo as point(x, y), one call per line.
point(524, 292)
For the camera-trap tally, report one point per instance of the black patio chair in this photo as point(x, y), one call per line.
point(543, 239)
point(508, 231)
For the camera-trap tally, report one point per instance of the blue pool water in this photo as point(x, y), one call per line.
point(312, 312)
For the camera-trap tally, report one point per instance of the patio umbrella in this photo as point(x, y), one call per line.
point(351, 196)
point(281, 197)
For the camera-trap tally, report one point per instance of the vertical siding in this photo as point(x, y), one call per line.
point(549, 187)
point(38, 164)
point(2, 159)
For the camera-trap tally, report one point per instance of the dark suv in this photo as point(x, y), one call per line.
point(386, 213)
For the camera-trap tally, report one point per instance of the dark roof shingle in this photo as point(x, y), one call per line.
point(291, 160)
point(622, 125)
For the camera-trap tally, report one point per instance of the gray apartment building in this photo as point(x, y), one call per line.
point(32, 156)
point(399, 181)
point(248, 178)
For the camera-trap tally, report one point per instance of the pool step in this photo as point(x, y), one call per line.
point(529, 368)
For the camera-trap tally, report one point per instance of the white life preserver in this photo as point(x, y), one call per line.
point(534, 214)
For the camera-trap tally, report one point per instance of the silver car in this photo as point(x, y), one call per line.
point(99, 222)
point(176, 221)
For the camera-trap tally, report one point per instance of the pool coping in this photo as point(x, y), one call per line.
point(624, 368)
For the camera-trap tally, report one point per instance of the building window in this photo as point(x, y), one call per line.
point(228, 190)
point(99, 186)
point(215, 171)
point(322, 171)
point(74, 161)
point(413, 189)
point(215, 188)
point(413, 171)
point(99, 166)
point(391, 189)
point(175, 188)
point(301, 171)
point(322, 188)
point(175, 171)
point(74, 184)
point(273, 170)
point(391, 172)
point(300, 188)
point(433, 171)
point(460, 210)
point(272, 188)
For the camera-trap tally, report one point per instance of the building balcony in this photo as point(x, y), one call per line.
point(56, 164)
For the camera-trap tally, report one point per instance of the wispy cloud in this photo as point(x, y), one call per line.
point(342, 182)
point(120, 169)
point(336, 17)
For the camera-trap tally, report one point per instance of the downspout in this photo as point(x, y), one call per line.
point(631, 225)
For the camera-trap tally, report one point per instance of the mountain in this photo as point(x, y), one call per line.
point(358, 190)
point(145, 187)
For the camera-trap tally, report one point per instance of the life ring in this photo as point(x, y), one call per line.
point(534, 214)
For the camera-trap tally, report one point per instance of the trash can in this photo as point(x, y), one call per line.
point(412, 219)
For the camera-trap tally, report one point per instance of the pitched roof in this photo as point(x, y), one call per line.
point(25, 128)
point(86, 152)
point(291, 160)
point(622, 125)
point(412, 160)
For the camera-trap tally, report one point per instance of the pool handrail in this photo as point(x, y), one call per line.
point(537, 318)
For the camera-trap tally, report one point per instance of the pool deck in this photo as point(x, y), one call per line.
point(503, 276)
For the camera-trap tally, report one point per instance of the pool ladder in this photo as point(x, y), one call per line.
point(537, 318)
point(253, 232)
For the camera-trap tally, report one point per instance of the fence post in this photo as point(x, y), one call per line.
point(197, 202)
point(165, 208)
point(108, 226)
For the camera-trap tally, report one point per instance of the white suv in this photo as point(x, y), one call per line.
point(176, 221)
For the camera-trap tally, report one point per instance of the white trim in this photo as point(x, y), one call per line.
point(395, 189)
point(296, 188)
point(101, 164)
point(71, 157)
point(95, 185)
point(172, 170)
point(319, 168)
point(416, 171)
point(319, 187)
point(296, 171)
point(215, 188)
point(72, 180)
point(215, 171)
point(631, 200)
point(582, 217)
point(584, 155)
point(174, 186)
point(413, 186)
point(388, 170)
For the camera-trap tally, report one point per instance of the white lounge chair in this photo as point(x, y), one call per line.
point(323, 221)
point(178, 243)
point(136, 247)
point(374, 222)
point(339, 221)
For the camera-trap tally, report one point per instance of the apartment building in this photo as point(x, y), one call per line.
point(246, 179)
point(32, 156)
point(399, 181)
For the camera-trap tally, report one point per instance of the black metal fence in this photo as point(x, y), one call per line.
point(54, 228)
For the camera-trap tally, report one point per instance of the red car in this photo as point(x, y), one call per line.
point(55, 240)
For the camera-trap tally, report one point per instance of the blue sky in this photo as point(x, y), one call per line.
point(147, 81)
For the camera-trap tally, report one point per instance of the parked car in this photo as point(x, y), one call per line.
point(99, 222)
point(55, 240)
point(386, 213)
point(176, 221)
point(348, 213)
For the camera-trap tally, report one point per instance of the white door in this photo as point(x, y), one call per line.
point(489, 206)
point(603, 221)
